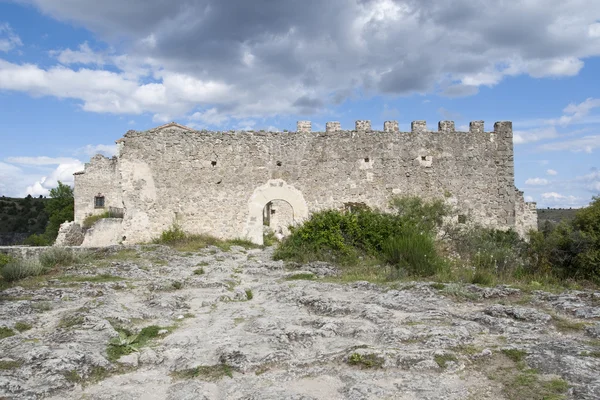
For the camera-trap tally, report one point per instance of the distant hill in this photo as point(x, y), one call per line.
point(554, 215)
point(20, 218)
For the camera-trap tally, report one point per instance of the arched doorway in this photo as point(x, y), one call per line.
point(290, 201)
point(278, 215)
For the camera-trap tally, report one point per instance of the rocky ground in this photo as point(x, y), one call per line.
point(237, 325)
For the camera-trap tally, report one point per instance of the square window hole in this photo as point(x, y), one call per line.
point(213, 163)
point(423, 158)
point(367, 159)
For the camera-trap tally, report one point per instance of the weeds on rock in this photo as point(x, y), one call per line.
point(22, 326)
point(176, 238)
point(301, 276)
point(8, 365)
point(6, 332)
point(566, 325)
point(249, 294)
point(515, 354)
point(127, 343)
point(365, 360)
point(443, 359)
point(199, 271)
point(205, 372)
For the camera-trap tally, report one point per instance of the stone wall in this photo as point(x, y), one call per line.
point(100, 178)
point(219, 182)
point(105, 232)
point(526, 215)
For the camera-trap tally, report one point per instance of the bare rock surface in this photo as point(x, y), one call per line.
point(238, 325)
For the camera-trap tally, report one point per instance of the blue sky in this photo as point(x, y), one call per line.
point(75, 75)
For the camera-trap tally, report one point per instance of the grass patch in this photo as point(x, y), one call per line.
point(515, 354)
point(199, 271)
point(42, 306)
point(443, 359)
point(438, 286)
point(70, 321)
point(95, 278)
point(73, 377)
point(176, 238)
point(127, 343)
point(6, 332)
point(595, 354)
point(205, 372)
point(365, 360)
point(8, 365)
point(301, 276)
point(22, 326)
point(249, 294)
point(90, 220)
point(60, 257)
point(176, 285)
point(566, 325)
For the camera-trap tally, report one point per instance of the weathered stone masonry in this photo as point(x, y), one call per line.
point(219, 182)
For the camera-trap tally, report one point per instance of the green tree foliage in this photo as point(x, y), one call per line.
point(60, 208)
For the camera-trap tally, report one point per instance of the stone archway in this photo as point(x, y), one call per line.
point(274, 189)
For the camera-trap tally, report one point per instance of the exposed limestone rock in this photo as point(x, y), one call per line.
point(292, 339)
point(69, 234)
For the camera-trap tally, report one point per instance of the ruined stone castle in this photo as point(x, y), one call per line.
point(231, 184)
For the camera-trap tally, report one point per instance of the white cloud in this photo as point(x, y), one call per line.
point(551, 172)
point(209, 117)
point(537, 181)
point(562, 201)
point(586, 144)
point(85, 55)
point(63, 172)
point(41, 160)
point(8, 38)
point(528, 199)
point(107, 150)
point(534, 135)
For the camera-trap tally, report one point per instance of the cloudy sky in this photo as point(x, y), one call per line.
point(75, 75)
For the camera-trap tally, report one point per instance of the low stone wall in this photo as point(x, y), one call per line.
point(105, 232)
point(26, 252)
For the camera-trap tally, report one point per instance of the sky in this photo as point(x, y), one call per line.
point(75, 75)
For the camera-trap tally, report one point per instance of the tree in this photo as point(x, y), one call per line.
point(60, 208)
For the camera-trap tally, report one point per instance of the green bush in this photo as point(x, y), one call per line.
point(37, 240)
point(58, 257)
point(20, 269)
point(5, 259)
point(402, 238)
point(413, 251)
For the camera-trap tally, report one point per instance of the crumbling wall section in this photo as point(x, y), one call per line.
point(100, 178)
point(203, 180)
point(526, 218)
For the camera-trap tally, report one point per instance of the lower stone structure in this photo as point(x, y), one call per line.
point(220, 183)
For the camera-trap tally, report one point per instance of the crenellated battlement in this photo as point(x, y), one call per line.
point(475, 127)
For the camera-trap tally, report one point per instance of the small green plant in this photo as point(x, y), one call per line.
point(438, 286)
point(7, 365)
point(176, 285)
point(5, 259)
point(566, 325)
point(366, 360)
point(6, 332)
point(301, 276)
point(122, 345)
point(22, 326)
point(41, 306)
point(483, 277)
point(249, 294)
point(58, 257)
point(515, 354)
point(72, 376)
point(205, 372)
point(413, 251)
point(269, 238)
point(199, 271)
point(70, 321)
point(443, 359)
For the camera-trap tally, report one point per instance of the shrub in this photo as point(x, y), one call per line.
point(5, 259)
point(20, 269)
point(37, 240)
point(58, 257)
point(412, 251)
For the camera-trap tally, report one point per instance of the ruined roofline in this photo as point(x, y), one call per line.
point(475, 127)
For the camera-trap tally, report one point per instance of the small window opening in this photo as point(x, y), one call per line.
point(218, 183)
point(366, 159)
point(278, 163)
point(462, 219)
point(213, 163)
point(423, 158)
point(99, 202)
